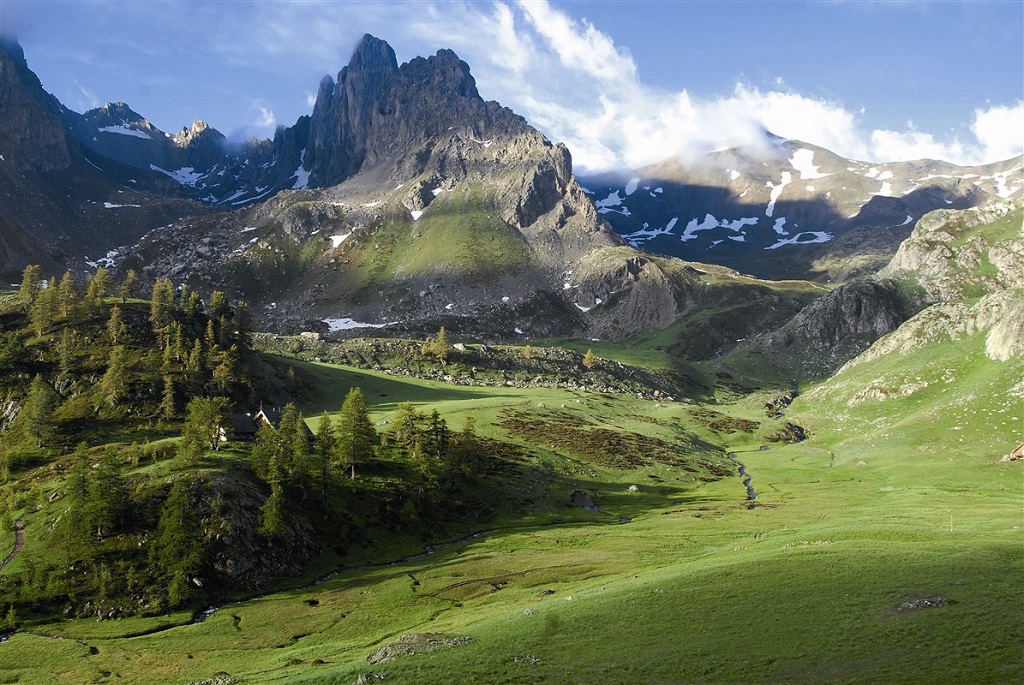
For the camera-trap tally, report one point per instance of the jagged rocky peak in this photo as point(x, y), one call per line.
point(31, 130)
point(377, 110)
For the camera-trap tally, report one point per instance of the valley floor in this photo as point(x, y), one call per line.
point(862, 559)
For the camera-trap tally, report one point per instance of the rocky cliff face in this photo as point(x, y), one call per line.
point(835, 328)
point(33, 135)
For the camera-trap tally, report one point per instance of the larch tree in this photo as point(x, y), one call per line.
point(356, 434)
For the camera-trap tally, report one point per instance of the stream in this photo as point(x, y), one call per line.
point(747, 478)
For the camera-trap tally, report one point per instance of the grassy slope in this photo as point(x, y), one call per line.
point(891, 501)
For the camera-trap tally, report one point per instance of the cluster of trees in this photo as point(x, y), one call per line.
point(91, 355)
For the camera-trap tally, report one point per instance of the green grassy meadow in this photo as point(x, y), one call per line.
point(887, 548)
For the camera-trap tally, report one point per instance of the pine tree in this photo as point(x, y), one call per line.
point(441, 346)
point(590, 359)
point(161, 306)
point(168, 403)
point(115, 326)
point(114, 384)
point(273, 509)
point(128, 285)
point(325, 447)
point(38, 411)
point(527, 353)
point(31, 284)
point(177, 548)
point(203, 419)
point(67, 298)
point(106, 495)
point(44, 309)
point(225, 374)
point(76, 486)
point(218, 305)
point(356, 434)
point(294, 445)
point(465, 459)
point(97, 288)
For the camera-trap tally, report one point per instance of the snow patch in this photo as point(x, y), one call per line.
point(733, 174)
point(437, 191)
point(886, 189)
point(518, 330)
point(780, 226)
point(345, 324)
point(907, 220)
point(126, 130)
point(710, 222)
point(247, 229)
point(799, 239)
point(252, 199)
point(301, 175)
point(111, 205)
point(646, 233)
point(337, 240)
point(803, 161)
point(582, 308)
point(631, 186)
point(613, 200)
point(776, 192)
point(186, 175)
point(416, 214)
point(106, 262)
point(506, 299)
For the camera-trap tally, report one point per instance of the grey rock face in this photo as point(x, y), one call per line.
point(31, 131)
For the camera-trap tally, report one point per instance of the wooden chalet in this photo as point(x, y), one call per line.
point(239, 428)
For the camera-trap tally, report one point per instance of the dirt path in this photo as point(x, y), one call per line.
point(19, 542)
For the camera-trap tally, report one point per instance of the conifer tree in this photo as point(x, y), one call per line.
point(38, 411)
point(203, 419)
point(128, 285)
point(97, 287)
point(67, 298)
point(218, 305)
point(441, 346)
point(106, 495)
point(44, 309)
point(115, 326)
point(356, 434)
point(168, 403)
point(114, 384)
point(294, 446)
point(590, 359)
point(177, 547)
point(325, 447)
point(31, 284)
point(162, 302)
point(273, 509)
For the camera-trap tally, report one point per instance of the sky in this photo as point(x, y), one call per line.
point(623, 83)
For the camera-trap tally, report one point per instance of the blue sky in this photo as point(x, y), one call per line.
point(623, 83)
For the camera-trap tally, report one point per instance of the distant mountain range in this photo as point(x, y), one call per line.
point(406, 200)
point(798, 212)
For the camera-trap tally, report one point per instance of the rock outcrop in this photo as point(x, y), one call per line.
point(954, 254)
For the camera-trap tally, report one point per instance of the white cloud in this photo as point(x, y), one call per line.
point(1000, 131)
